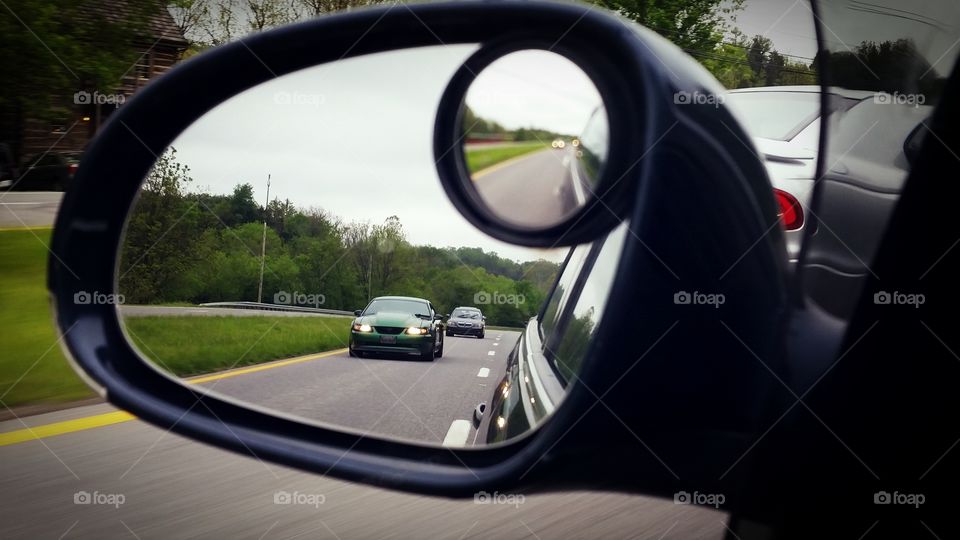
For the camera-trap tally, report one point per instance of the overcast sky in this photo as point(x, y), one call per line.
point(354, 138)
point(534, 89)
point(790, 25)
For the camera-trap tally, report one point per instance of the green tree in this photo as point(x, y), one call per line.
point(693, 25)
point(51, 50)
point(160, 241)
point(189, 247)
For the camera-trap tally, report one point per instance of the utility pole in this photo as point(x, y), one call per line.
point(263, 244)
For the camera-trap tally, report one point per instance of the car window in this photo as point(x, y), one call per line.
point(558, 297)
point(466, 314)
point(396, 306)
point(899, 65)
point(584, 316)
point(775, 115)
point(594, 144)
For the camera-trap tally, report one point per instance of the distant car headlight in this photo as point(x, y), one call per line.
point(415, 331)
point(362, 328)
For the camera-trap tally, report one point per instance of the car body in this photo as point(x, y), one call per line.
point(803, 425)
point(546, 358)
point(558, 144)
point(50, 171)
point(401, 325)
point(784, 122)
point(466, 321)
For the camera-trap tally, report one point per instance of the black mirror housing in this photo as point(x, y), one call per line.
point(677, 200)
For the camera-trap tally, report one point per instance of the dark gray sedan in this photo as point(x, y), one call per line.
point(468, 321)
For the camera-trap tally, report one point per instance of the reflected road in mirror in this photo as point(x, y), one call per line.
point(535, 137)
point(510, 186)
point(395, 396)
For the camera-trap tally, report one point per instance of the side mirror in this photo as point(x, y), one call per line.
point(484, 317)
point(438, 317)
point(650, 155)
point(357, 312)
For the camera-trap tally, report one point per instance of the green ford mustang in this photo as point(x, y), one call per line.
point(397, 325)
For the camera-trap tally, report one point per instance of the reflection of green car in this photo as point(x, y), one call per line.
point(397, 325)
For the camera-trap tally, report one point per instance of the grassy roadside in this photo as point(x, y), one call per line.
point(195, 345)
point(481, 158)
point(32, 366)
point(33, 369)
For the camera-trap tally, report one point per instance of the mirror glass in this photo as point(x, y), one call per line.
point(535, 131)
point(294, 249)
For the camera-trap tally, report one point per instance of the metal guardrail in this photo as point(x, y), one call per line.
point(276, 307)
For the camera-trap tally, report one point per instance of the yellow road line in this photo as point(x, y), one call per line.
point(36, 228)
point(59, 428)
point(262, 367)
point(116, 417)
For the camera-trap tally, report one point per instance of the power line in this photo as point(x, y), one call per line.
point(763, 65)
point(675, 32)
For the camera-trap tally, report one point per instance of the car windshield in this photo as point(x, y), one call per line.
point(393, 305)
point(466, 314)
point(775, 115)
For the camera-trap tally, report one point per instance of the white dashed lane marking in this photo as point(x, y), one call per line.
point(457, 434)
point(484, 372)
point(491, 353)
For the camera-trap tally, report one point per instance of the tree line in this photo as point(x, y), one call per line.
point(94, 50)
point(704, 28)
point(477, 127)
point(182, 246)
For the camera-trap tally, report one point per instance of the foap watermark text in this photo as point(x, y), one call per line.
point(700, 499)
point(102, 499)
point(296, 298)
point(509, 499)
point(297, 498)
point(498, 298)
point(697, 298)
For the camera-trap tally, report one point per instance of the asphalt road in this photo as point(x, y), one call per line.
point(535, 189)
point(399, 397)
point(146, 483)
point(28, 208)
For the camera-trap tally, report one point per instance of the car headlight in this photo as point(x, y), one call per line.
point(416, 331)
point(362, 328)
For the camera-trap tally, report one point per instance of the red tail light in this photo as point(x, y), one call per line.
point(72, 169)
point(790, 211)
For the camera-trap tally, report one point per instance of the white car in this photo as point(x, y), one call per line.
point(867, 163)
point(785, 124)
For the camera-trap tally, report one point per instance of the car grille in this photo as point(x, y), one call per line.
point(391, 330)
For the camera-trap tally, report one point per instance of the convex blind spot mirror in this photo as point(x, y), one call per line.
point(535, 133)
